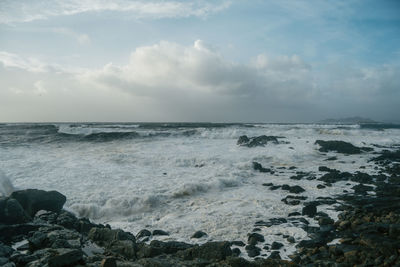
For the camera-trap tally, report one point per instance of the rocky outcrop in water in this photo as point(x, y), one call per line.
point(261, 140)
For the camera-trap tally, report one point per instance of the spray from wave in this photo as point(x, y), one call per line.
point(6, 187)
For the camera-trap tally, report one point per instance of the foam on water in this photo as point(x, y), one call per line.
point(182, 182)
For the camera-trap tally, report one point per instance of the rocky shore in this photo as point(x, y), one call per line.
point(35, 230)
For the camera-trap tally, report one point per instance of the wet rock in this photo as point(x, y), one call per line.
point(11, 212)
point(325, 169)
point(104, 236)
point(238, 243)
point(256, 141)
point(236, 252)
point(310, 210)
point(65, 257)
point(16, 232)
point(362, 189)
point(252, 251)
point(275, 255)
point(338, 146)
point(108, 262)
point(258, 167)
point(276, 245)
point(33, 200)
point(293, 200)
point(198, 234)
point(291, 239)
point(254, 238)
point(159, 232)
point(143, 233)
point(294, 214)
point(296, 189)
point(320, 186)
point(208, 251)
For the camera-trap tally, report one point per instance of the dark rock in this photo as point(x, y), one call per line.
point(143, 233)
point(331, 158)
point(276, 245)
point(296, 189)
point(243, 140)
point(258, 167)
point(108, 262)
point(362, 189)
point(65, 257)
point(291, 239)
point(236, 252)
point(104, 236)
point(254, 238)
point(252, 251)
point(325, 169)
point(256, 141)
point(11, 212)
point(208, 251)
point(238, 243)
point(198, 234)
point(33, 200)
point(338, 146)
point(293, 200)
point(310, 210)
point(274, 187)
point(325, 221)
point(294, 214)
point(16, 232)
point(320, 186)
point(5, 251)
point(275, 255)
point(159, 232)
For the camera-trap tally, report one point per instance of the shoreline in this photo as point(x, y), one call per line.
point(366, 232)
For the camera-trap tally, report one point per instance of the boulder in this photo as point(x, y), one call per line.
point(208, 251)
point(337, 146)
point(11, 212)
point(309, 210)
point(198, 234)
point(33, 200)
point(104, 236)
point(65, 257)
point(256, 141)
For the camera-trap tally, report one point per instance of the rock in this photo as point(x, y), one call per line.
point(243, 140)
point(291, 239)
point(255, 238)
point(252, 251)
point(11, 212)
point(65, 257)
point(236, 252)
point(276, 245)
point(320, 186)
point(208, 251)
point(296, 189)
point(238, 243)
point(325, 169)
point(108, 262)
point(157, 247)
point(104, 235)
point(310, 210)
point(198, 234)
point(5, 251)
point(33, 200)
point(143, 233)
point(258, 167)
point(256, 141)
point(338, 146)
point(294, 214)
point(325, 221)
point(275, 255)
point(159, 232)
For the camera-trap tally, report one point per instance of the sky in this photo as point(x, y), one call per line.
point(211, 61)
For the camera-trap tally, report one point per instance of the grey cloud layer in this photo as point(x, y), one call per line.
point(168, 81)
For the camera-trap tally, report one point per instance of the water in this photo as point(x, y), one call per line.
point(180, 177)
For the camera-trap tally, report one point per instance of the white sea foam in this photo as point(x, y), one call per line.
point(187, 182)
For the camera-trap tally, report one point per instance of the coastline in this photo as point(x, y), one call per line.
point(366, 232)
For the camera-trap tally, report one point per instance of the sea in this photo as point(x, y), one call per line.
point(184, 177)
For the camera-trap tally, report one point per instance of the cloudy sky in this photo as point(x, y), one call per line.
point(217, 61)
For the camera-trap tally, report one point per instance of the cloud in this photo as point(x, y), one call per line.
point(173, 82)
point(25, 11)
